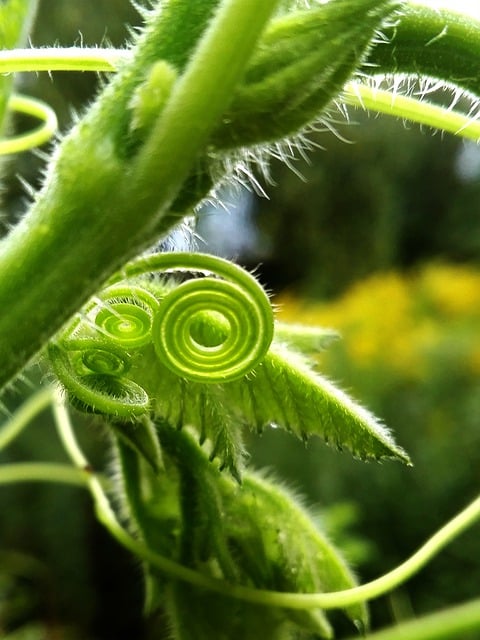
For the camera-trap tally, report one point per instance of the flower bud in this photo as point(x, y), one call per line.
point(301, 63)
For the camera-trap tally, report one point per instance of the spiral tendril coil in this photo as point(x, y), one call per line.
point(211, 329)
point(37, 136)
point(126, 315)
point(238, 300)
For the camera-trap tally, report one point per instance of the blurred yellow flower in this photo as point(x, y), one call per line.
point(401, 323)
point(453, 289)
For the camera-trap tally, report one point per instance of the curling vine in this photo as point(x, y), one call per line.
point(207, 330)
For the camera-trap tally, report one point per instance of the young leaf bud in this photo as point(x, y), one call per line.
point(150, 97)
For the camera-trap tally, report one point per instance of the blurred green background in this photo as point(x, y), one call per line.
point(380, 239)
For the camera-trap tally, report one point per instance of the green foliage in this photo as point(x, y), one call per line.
point(253, 534)
point(174, 367)
point(426, 387)
point(201, 354)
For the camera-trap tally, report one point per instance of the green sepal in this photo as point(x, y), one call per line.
point(301, 63)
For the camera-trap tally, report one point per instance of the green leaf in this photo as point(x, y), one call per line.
point(271, 530)
point(283, 389)
point(255, 534)
point(286, 392)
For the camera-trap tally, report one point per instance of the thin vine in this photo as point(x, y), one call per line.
point(83, 475)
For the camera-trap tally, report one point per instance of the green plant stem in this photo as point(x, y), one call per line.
point(433, 42)
point(412, 109)
point(42, 472)
point(333, 600)
point(450, 624)
point(357, 94)
point(98, 208)
point(22, 417)
point(199, 98)
point(62, 59)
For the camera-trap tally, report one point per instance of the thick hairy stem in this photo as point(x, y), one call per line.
point(97, 208)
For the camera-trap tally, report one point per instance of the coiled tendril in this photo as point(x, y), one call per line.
point(37, 136)
point(126, 315)
point(212, 329)
point(242, 318)
point(98, 387)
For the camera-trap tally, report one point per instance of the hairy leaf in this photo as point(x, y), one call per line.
point(170, 352)
point(256, 534)
point(285, 391)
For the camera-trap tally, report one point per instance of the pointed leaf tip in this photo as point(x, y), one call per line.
point(286, 391)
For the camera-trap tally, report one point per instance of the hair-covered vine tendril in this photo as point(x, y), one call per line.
point(35, 137)
point(98, 391)
point(214, 328)
point(125, 314)
point(237, 305)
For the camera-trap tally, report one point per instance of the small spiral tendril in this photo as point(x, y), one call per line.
point(242, 314)
point(90, 355)
point(35, 137)
point(99, 392)
point(102, 361)
point(211, 329)
point(126, 315)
